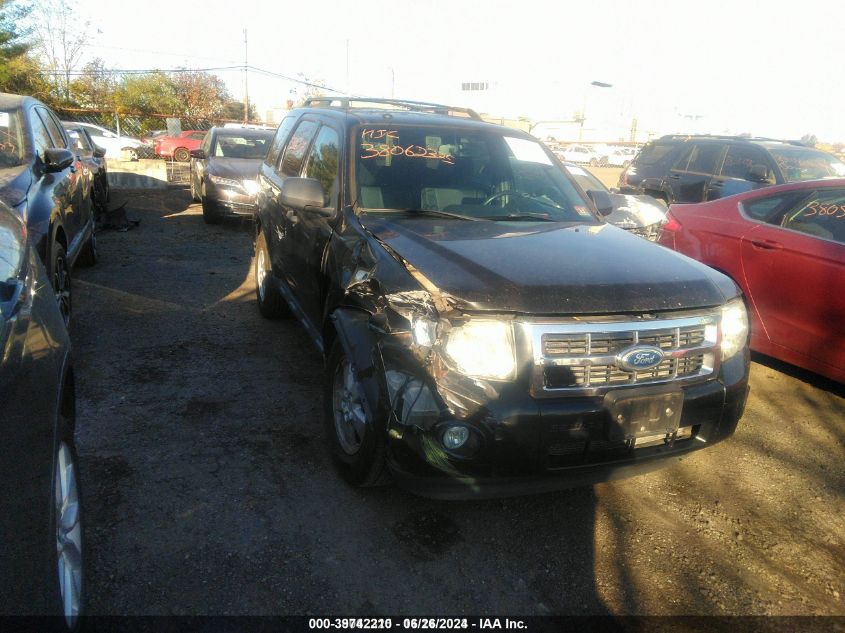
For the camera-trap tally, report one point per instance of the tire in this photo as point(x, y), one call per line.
point(90, 255)
point(68, 529)
point(271, 303)
point(181, 155)
point(60, 280)
point(209, 213)
point(358, 448)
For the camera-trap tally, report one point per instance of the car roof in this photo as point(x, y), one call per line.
point(10, 101)
point(377, 116)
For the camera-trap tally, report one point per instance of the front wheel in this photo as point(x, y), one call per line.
point(181, 155)
point(358, 444)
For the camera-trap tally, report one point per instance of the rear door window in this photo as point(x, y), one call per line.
point(297, 147)
point(739, 160)
point(704, 158)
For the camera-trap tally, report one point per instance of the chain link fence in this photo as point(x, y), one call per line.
point(140, 132)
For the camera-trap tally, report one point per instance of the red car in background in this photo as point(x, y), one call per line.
point(785, 247)
point(179, 147)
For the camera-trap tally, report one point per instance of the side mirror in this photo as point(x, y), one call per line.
point(99, 152)
point(198, 153)
point(604, 205)
point(301, 193)
point(56, 159)
point(758, 173)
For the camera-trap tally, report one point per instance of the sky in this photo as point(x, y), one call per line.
point(769, 69)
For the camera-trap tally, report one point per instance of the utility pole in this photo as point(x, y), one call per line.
point(246, 82)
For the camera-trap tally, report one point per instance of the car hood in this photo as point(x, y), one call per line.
point(549, 268)
point(635, 211)
point(238, 168)
point(14, 184)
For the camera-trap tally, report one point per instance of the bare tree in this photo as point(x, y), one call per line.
point(60, 38)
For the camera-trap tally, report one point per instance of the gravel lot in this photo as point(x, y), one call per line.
point(209, 490)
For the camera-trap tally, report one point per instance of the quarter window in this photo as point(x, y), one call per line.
point(323, 162)
point(297, 147)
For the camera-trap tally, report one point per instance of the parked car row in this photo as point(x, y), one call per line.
point(49, 179)
point(595, 155)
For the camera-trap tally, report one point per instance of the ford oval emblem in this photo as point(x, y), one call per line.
point(639, 358)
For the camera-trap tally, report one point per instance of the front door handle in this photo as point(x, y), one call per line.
point(767, 245)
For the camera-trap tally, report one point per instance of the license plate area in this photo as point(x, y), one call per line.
point(644, 414)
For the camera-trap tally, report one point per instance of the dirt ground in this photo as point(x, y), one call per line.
point(209, 489)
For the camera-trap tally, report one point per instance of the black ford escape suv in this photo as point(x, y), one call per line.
point(699, 168)
point(484, 331)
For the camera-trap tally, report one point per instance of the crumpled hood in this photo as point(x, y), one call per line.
point(14, 184)
point(543, 268)
point(635, 211)
point(237, 168)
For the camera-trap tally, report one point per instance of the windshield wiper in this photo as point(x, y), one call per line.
point(435, 212)
point(539, 217)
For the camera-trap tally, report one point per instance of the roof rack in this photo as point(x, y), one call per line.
point(726, 137)
point(345, 103)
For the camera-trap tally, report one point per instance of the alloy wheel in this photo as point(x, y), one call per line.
point(350, 419)
point(68, 534)
point(61, 286)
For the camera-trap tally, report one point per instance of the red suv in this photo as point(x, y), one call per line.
point(179, 147)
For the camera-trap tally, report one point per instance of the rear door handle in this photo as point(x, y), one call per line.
point(767, 245)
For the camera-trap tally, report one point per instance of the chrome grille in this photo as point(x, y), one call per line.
point(578, 356)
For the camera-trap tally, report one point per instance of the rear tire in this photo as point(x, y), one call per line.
point(60, 280)
point(271, 303)
point(181, 155)
point(358, 445)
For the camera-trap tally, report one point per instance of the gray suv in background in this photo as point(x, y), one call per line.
point(700, 168)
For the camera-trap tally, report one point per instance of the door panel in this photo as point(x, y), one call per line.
point(795, 274)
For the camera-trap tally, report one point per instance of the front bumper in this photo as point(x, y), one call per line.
point(523, 445)
point(231, 201)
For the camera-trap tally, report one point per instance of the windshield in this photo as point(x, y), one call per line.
point(250, 146)
point(585, 179)
point(798, 163)
point(475, 173)
point(12, 149)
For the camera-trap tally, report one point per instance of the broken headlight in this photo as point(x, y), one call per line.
point(482, 349)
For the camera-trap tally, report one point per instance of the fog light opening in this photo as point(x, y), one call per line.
point(455, 436)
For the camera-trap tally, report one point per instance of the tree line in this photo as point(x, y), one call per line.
point(42, 43)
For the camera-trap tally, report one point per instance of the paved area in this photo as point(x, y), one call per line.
point(209, 489)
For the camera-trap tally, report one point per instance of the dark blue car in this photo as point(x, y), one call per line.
point(44, 182)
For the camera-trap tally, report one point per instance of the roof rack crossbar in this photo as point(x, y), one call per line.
point(416, 106)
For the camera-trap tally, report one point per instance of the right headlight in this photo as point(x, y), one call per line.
point(483, 349)
point(734, 327)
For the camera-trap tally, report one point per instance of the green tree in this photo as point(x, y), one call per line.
point(151, 93)
point(95, 88)
point(235, 110)
point(200, 94)
point(19, 72)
